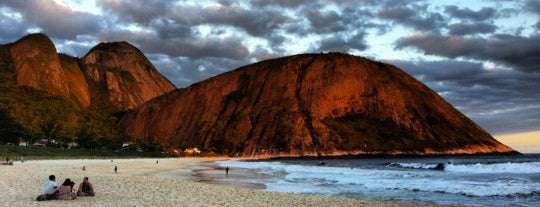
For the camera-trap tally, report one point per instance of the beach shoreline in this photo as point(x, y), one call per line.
point(153, 182)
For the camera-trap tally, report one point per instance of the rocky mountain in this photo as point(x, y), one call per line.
point(57, 95)
point(309, 105)
point(38, 66)
point(126, 74)
point(302, 105)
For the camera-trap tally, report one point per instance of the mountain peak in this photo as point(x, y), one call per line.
point(38, 65)
point(114, 47)
point(120, 67)
point(71, 95)
point(35, 37)
point(310, 105)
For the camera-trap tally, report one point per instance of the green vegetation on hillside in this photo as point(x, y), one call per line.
point(37, 152)
point(31, 115)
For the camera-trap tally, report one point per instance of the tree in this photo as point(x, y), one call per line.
point(50, 128)
point(85, 137)
point(10, 130)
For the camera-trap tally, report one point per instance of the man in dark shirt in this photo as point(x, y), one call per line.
point(85, 188)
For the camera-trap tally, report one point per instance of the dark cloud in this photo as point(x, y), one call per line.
point(468, 29)
point(515, 51)
point(276, 42)
point(326, 22)
point(256, 23)
point(511, 120)
point(415, 16)
point(335, 43)
point(437, 44)
point(260, 54)
point(465, 13)
point(168, 30)
point(281, 3)
point(533, 6)
point(192, 47)
point(12, 27)
point(57, 20)
point(436, 71)
point(231, 48)
point(520, 52)
point(142, 12)
point(397, 13)
point(76, 49)
point(186, 71)
point(253, 22)
point(340, 44)
point(497, 99)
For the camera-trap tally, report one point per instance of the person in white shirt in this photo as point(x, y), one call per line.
point(50, 186)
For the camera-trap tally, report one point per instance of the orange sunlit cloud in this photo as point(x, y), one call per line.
point(526, 142)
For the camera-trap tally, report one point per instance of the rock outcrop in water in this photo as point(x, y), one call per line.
point(310, 105)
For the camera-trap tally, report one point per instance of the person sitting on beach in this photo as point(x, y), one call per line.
point(85, 188)
point(50, 190)
point(65, 191)
point(50, 186)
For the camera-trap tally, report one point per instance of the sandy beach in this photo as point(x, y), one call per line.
point(142, 182)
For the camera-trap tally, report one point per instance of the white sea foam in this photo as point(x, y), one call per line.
point(509, 167)
point(414, 165)
point(526, 167)
point(466, 180)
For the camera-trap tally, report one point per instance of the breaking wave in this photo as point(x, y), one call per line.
point(509, 167)
point(510, 183)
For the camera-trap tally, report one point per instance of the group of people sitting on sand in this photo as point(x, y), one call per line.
point(53, 191)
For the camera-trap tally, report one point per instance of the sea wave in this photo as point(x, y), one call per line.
point(509, 167)
point(413, 165)
point(401, 179)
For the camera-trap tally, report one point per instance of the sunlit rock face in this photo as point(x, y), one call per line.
point(39, 66)
point(310, 105)
point(126, 73)
point(116, 70)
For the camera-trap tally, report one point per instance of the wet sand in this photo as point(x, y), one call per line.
point(210, 172)
point(142, 182)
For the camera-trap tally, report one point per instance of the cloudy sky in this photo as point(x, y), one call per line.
point(481, 56)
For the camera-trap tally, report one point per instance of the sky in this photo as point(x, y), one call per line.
point(480, 55)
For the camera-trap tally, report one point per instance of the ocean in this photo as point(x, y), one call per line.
point(453, 180)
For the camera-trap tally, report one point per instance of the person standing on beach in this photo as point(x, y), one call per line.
point(115, 169)
point(226, 171)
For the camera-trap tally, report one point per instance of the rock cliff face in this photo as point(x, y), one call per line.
point(38, 66)
point(117, 71)
point(127, 74)
point(310, 105)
